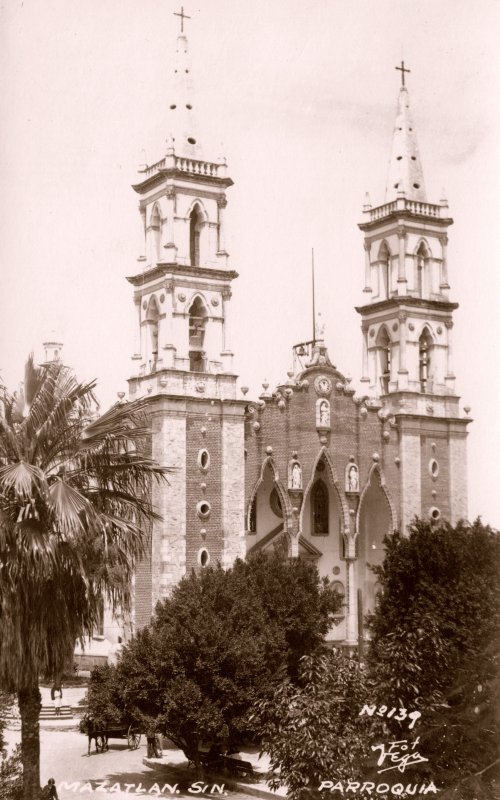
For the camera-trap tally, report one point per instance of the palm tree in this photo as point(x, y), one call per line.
point(74, 508)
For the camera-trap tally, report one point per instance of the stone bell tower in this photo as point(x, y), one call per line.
point(183, 359)
point(407, 324)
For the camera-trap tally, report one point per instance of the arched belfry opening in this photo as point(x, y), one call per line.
point(425, 344)
point(197, 328)
point(152, 321)
point(422, 258)
point(384, 347)
point(195, 226)
point(384, 258)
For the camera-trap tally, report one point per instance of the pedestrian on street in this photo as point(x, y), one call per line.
point(58, 700)
point(49, 792)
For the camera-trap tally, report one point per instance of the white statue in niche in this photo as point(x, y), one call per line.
point(296, 476)
point(323, 414)
point(352, 478)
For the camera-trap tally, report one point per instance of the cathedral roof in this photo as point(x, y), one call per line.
point(405, 168)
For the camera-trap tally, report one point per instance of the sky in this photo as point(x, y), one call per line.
point(301, 98)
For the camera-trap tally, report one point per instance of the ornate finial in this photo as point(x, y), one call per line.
point(183, 16)
point(402, 70)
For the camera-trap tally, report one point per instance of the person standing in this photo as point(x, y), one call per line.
point(49, 792)
point(58, 700)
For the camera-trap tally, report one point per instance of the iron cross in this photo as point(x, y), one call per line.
point(184, 16)
point(402, 71)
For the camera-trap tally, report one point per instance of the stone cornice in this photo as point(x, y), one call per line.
point(405, 301)
point(162, 174)
point(164, 270)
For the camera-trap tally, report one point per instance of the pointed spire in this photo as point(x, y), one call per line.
point(405, 169)
point(181, 128)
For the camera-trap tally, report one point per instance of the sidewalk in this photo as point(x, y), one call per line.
point(174, 762)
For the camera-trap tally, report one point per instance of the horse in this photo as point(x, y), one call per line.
point(89, 727)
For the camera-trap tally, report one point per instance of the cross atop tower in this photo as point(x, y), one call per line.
point(184, 16)
point(402, 71)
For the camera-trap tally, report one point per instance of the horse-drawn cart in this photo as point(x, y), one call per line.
point(101, 733)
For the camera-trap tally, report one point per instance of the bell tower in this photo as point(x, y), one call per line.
point(407, 322)
point(183, 361)
point(183, 288)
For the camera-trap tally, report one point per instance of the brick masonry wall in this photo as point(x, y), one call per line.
point(233, 489)
point(411, 478)
point(458, 478)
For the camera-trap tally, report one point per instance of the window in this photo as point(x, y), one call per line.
point(152, 319)
point(203, 460)
point(320, 509)
point(197, 323)
point(384, 257)
point(422, 257)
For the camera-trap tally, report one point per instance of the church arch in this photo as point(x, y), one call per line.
point(330, 474)
point(384, 348)
point(262, 515)
point(425, 359)
point(155, 227)
point(422, 255)
point(376, 519)
point(198, 317)
point(152, 323)
point(197, 219)
point(384, 261)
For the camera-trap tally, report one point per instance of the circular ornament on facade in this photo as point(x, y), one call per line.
point(144, 305)
point(200, 386)
point(372, 332)
point(386, 436)
point(203, 557)
point(181, 296)
point(288, 392)
point(411, 326)
point(323, 440)
point(433, 468)
point(256, 426)
point(323, 385)
point(162, 298)
point(269, 451)
point(395, 326)
point(163, 381)
point(363, 412)
point(214, 302)
point(203, 533)
point(203, 459)
point(203, 486)
point(434, 513)
point(439, 330)
point(281, 404)
point(376, 457)
point(203, 509)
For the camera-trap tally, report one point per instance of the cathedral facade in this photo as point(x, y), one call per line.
point(311, 466)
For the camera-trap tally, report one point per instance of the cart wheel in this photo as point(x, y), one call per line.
point(100, 744)
point(134, 738)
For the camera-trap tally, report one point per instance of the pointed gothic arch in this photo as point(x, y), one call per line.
point(155, 222)
point(152, 319)
point(384, 347)
point(336, 499)
point(422, 255)
point(198, 317)
point(384, 260)
point(197, 219)
point(268, 465)
point(425, 359)
point(376, 519)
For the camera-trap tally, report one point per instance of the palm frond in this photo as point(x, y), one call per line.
point(22, 479)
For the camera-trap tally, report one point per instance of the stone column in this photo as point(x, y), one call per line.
point(402, 344)
point(444, 263)
point(401, 258)
point(170, 248)
point(449, 377)
point(351, 620)
point(365, 372)
point(368, 282)
point(227, 354)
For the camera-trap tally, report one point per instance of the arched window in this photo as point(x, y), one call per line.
point(156, 232)
point(197, 323)
point(195, 223)
point(424, 359)
point(384, 348)
point(422, 256)
point(320, 509)
point(152, 318)
point(384, 257)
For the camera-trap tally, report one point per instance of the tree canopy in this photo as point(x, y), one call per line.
point(74, 505)
point(435, 644)
point(219, 643)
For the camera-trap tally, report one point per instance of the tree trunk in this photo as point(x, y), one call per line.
point(30, 703)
